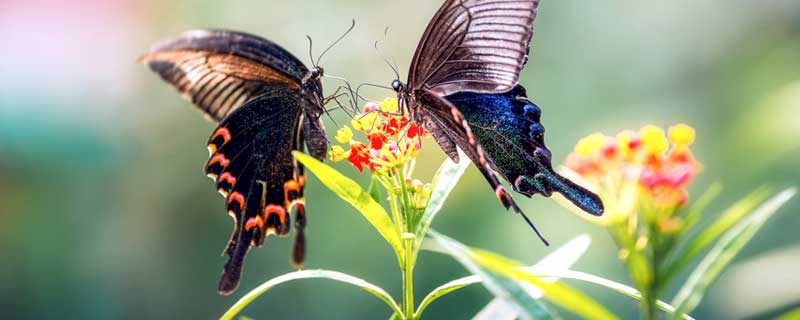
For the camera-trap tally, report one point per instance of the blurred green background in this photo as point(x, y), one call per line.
point(105, 212)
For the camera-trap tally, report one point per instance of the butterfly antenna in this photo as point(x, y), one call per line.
point(311, 50)
point(386, 61)
point(358, 89)
point(352, 25)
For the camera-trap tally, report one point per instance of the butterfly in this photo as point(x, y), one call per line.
point(267, 104)
point(463, 88)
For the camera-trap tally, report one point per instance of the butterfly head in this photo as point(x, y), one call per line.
point(316, 73)
point(398, 86)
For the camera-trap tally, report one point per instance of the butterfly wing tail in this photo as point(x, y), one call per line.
point(586, 200)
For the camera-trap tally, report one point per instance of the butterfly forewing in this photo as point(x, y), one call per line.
point(218, 71)
point(474, 45)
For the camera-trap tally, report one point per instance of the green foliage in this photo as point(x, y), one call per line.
point(504, 279)
point(724, 251)
point(309, 274)
point(444, 181)
point(521, 291)
point(353, 194)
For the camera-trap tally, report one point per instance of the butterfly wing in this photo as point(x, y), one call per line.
point(452, 125)
point(253, 167)
point(474, 45)
point(218, 71)
point(509, 127)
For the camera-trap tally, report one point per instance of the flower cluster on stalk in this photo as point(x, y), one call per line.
point(648, 168)
point(391, 138)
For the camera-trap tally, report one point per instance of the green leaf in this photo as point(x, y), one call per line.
point(484, 263)
point(616, 286)
point(793, 314)
point(698, 244)
point(445, 289)
point(444, 181)
point(723, 252)
point(701, 204)
point(351, 192)
point(374, 189)
point(561, 258)
point(307, 274)
point(494, 280)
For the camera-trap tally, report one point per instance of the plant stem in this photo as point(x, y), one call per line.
point(408, 281)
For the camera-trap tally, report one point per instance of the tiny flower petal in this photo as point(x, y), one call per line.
point(389, 105)
point(337, 153)
point(590, 144)
point(371, 107)
point(654, 139)
point(681, 135)
point(344, 134)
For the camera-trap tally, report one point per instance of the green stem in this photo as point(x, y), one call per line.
point(408, 281)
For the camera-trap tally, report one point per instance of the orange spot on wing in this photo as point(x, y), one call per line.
point(302, 181)
point(256, 221)
point(221, 159)
point(224, 133)
point(501, 194)
point(237, 197)
point(289, 187)
point(227, 178)
point(275, 209)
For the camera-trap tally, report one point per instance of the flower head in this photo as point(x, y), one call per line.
point(390, 139)
point(656, 165)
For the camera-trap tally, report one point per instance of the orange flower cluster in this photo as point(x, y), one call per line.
point(392, 139)
point(662, 163)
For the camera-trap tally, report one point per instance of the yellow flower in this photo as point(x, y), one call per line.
point(590, 144)
point(623, 140)
point(344, 135)
point(681, 135)
point(365, 122)
point(654, 139)
point(389, 105)
point(337, 153)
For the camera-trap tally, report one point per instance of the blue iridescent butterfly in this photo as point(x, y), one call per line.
point(463, 87)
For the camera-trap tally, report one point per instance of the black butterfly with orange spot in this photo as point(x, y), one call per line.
point(267, 104)
point(463, 87)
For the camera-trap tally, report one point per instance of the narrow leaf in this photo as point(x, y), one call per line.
point(700, 205)
point(307, 274)
point(555, 292)
point(374, 189)
point(560, 259)
point(351, 192)
point(495, 280)
point(703, 240)
point(616, 286)
point(723, 252)
point(444, 181)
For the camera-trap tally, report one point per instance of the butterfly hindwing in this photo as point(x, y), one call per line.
point(474, 45)
point(218, 71)
point(450, 122)
point(252, 163)
point(509, 127)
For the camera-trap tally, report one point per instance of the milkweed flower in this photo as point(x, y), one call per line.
point(390, 139)
point(634, 169)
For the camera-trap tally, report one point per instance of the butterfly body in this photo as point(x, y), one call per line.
point(266, 104)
